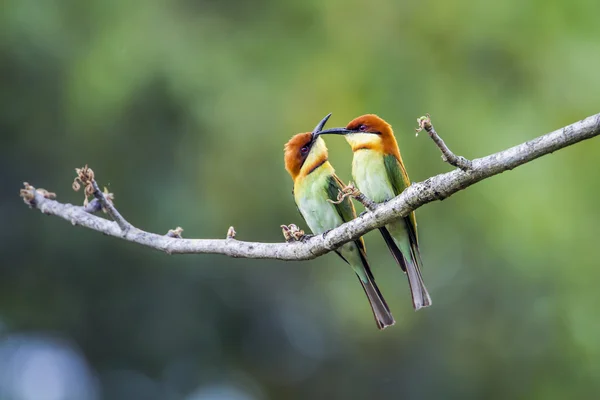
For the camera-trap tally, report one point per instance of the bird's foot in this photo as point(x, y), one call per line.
point(348, 190)
point(292, 233)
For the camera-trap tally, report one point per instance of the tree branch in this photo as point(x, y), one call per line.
point(107, 205)
point(447, 155)
point(438, 187)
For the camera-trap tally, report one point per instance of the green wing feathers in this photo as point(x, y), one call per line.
point(345, 209)
point(381, 311)
point(323, 215)
point(396, 173)
point(399, 180)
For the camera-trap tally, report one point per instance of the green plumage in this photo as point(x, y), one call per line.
point(399, 180)
point(312, 193)
point(382, 177)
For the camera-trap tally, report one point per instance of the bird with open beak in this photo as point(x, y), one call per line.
point(315, 183)
point(379, 173)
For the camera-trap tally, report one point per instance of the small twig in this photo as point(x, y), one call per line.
point(365, 201)
point(447, 155)
point(85, 177)
point(28, 194)
point(351, 190)
point(110, 208)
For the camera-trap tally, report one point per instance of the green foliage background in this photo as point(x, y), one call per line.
point(182, 108)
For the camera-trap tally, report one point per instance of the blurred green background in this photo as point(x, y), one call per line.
point(182, 108)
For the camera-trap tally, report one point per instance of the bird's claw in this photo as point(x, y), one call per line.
point(348, 190)
point(326, 232)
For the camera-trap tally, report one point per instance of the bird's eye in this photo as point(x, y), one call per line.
point(362, 128)
point(304, 149)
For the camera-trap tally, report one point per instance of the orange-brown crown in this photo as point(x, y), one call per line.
point(302, 154)
point(374, 124)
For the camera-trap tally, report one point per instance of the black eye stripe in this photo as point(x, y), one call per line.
point(365, 129)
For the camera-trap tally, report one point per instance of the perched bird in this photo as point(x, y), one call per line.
point(380, 175)
point(315, 182)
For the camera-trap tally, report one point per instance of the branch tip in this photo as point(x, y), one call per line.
point(447, 155)
point(424, 123)
point(27, 194)
point(175, 233)
point(231, 233)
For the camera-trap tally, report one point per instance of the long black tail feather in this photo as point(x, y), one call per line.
point(381, 311)
point(410, 266)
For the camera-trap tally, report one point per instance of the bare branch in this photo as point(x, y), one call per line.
point(85, 176)
point(447, 155)
point(438, 187)
point(107, 205)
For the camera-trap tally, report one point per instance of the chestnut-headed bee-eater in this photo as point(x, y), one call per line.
point(315, 183)
point(380, 175)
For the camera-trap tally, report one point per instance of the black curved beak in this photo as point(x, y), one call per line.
point(336, 131)
point(317, 131)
